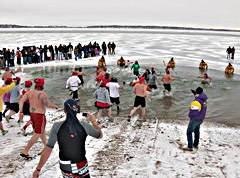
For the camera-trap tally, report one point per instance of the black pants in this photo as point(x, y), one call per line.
point(75, 94)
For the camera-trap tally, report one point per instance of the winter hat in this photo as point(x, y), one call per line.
point(28, 83)
point(74, 73)
point(39, 82)
point(199, 90)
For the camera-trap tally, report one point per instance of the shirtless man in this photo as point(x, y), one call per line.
point(167, 81)
point(140, 89)
point(38, 102)
point(8, 73)
point(81, 74)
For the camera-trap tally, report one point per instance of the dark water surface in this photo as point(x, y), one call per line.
point(223, 95)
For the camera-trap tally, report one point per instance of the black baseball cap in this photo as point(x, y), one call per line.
point(199, 90)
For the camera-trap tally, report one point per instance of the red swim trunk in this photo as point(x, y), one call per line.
point(38, 122)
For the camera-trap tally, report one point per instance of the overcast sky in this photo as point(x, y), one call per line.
point(196, 13)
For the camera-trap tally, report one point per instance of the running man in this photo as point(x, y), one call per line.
point(135, 67)
point(2, 91)
point(14, 99)
point(167, 81)
point(26, 106)
point(38, 103)
point(114, 92)
point(70, 135)
point(140, 89)
point(73, 82)
point(80, 75)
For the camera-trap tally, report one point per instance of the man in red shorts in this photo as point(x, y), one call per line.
point(38, 103)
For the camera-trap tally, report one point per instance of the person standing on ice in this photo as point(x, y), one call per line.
point(71, 136)
point(196, 115)
point(104, 48)
point(233, 52)
point(38, 103)
point(140, 89)
point(229, 51)
point(73, 82)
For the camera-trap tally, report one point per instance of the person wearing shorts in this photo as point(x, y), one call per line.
point(14, 106)
point(102, 101)
point(114, 92)
point(38, 104)
point(4, 90)
point(140, 89)
point(166, 79)
point(167, 86)
point(70, 135)
point(152, 79)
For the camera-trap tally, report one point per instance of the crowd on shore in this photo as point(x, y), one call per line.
point(38, 54)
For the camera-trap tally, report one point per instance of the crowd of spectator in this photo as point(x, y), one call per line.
point(35, 54)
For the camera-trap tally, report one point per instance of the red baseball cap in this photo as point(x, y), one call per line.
point(105, 69)
point(28, 83)
point(39, 82)
point(74, 73)
point(9, 80)
point(141, 79)
point(18, 78)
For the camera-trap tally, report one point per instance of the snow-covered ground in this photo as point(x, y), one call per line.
point(148, 149)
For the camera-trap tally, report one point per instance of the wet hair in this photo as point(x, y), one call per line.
point(229, 64)
point(107, 75)
point(167, 71)
point(7, 82)
point(114, 79)
point(172, 59)
point(80, 69)
point(202, 61)
point(206, 75)
point(153, 72)
point(39, 87)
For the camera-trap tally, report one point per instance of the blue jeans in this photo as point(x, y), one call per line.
point(193, 126)
point(60, 55)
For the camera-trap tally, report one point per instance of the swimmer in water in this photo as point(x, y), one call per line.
point(206, 79)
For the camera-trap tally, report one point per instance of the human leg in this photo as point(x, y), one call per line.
point(31, 142)
point(143, 113)
point(197, 133)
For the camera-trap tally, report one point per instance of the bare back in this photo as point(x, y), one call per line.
point(166, 78)
point(38, 101)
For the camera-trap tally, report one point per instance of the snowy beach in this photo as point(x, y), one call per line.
point(141, 149)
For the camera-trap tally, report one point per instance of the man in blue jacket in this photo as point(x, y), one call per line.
point(196, 115)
